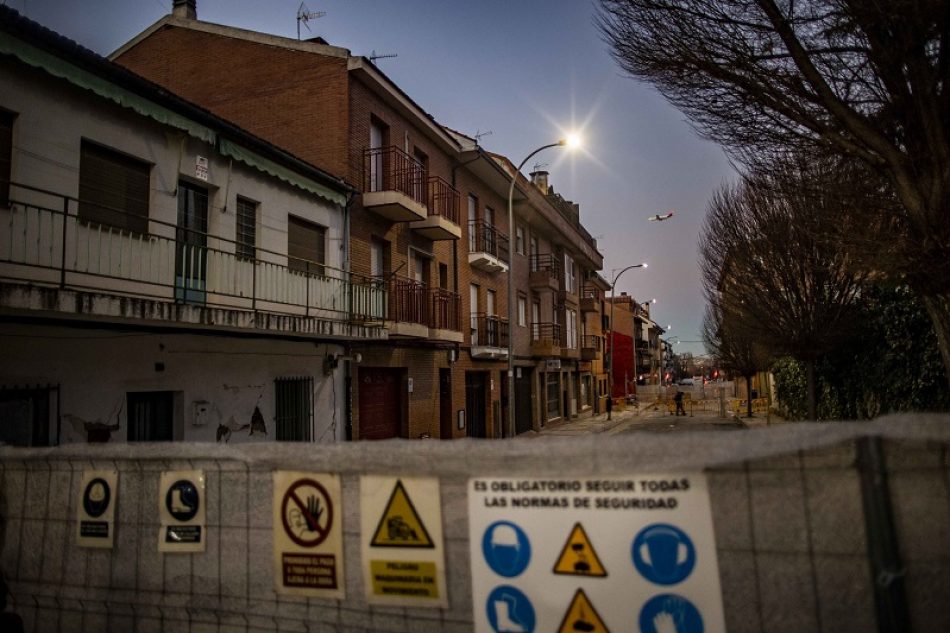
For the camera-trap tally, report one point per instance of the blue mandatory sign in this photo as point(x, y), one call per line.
point(506, 548)
point(663, 554)
point(509, 611)
point(96, 497)
point(669, 612)
point(182, 500)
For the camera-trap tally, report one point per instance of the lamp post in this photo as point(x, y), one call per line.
point(610, 356)
point(570, 141)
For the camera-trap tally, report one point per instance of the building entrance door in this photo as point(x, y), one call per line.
point(523, 400)
point(476, 392)
point(380, 402)
point(445, 404)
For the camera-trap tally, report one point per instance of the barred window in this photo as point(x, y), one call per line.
point(113, 188)
point(6, 154)
point(246, 232)
point(294, 409)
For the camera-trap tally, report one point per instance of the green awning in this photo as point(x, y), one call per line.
point(86, 80)
point(278, 171)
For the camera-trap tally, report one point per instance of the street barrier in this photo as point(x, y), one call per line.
point(817, 527)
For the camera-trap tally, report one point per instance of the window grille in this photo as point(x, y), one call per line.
point(246, 236)
point(294, 398)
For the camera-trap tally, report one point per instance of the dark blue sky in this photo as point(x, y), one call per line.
point(526, 71)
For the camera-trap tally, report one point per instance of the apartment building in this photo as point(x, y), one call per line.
point(596, 329)
point(164, 274)
point(429, 226)
point(647, 346)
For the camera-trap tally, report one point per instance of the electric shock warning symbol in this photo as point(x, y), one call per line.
point(578, 557)
point(400, 525)
point(582, 616)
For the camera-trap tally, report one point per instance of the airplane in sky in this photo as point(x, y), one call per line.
point(660, 218)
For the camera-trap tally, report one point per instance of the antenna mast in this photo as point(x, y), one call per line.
point(304, 14)
point(373, 56)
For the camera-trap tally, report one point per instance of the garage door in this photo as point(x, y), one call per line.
point(380, 412)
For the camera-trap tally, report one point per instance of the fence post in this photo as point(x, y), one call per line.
point(62, 261)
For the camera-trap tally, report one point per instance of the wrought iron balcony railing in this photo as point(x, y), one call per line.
point(443, 199)
point(485, 238)
point(391, 169)
point(489, 331)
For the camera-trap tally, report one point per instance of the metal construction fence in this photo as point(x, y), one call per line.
point(818, 527)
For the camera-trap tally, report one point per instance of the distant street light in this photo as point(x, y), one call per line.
point(571, 141)
point(610, 355)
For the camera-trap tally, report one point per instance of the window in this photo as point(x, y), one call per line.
point(535, 320)
point(378, 251)
point(571, 334)
point(378, 140)
point(152, 416)
point(522, 310)
point(489, 216)
point(533, 252)
point(473, 312)
point(113, 189)
point(246, 232)
point(472, 217)
point(519, 240)
point(420, 267)
point(443, 276)
point(294, 409)
point(306, 246)
point(6, 154)
point(25, 418)
point(570, 274)
point(490, 303)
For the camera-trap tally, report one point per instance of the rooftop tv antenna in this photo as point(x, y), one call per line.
point(304, 14)
point(479, 134)
point(373, 56)
point(539, 166)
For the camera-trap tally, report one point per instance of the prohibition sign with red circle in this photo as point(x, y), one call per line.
point(320, 534)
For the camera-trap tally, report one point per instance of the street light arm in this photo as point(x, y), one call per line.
point(514, 176)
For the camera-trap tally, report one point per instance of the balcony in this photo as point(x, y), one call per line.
point(442, 222)
point(415, 311)
point(591, 298)
point(487, 246)
point(546, 339)
point(489, 336)
point(445, 319)
point(545, 272)
point(57, 261)
point(394, 184)
point(591, 347)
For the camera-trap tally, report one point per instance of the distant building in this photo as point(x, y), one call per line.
point(164, 274)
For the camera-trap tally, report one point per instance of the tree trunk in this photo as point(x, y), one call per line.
point(938, 308)
point(810, 389)
point(748, 393)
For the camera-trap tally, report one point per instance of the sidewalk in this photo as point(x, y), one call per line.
point(631, 419)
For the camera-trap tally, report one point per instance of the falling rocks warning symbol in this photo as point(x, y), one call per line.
point(582, 616)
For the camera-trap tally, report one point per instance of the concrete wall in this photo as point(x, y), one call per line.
point(786, 502)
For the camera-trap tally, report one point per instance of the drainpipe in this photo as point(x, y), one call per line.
point(347, 377)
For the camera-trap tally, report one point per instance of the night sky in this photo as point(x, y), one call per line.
point(522, 72)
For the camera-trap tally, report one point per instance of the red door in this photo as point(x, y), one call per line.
point(380, 402)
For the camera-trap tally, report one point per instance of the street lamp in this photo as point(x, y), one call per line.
point(610, 356)
point(570, 141)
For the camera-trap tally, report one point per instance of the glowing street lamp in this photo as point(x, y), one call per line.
point(571, 141)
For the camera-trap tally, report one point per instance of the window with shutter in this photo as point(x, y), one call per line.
point(113, 189)
point(306, 246)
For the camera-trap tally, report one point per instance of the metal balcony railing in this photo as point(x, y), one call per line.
point(391, 169)
point(408, 301)
point(485, 238)
point(589, 341)
point(446, 310)
point(546, 333)
point(546, 263)
point(44, 239)
point(443, 199)
point(592, 292)
point(489, 331)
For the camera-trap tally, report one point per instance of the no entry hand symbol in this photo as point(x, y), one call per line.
point(307, 523)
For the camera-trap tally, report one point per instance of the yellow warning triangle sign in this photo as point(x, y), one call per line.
point(582, 616)
point(400, 525)
point(578, 557)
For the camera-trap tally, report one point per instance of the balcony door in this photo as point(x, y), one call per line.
point(473, 312)
point(191, 244)
point(377, 139)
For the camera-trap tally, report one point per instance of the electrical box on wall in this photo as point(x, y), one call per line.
point(202, 409)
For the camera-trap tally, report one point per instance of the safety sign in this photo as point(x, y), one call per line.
point(578, 556)
point(181, 507)
point(582, 616)
point(96, 508)
point(308, 535)
point(594, 554)
point(402, 548)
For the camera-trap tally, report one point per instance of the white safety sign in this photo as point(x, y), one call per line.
point(402, 547)
point(181, 507)
point(308, 535)
point(634, 553)
point(98, 492)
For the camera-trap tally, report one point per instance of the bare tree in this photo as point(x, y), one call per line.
point(769, 272)
point(734, 347)
point(865, 81)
